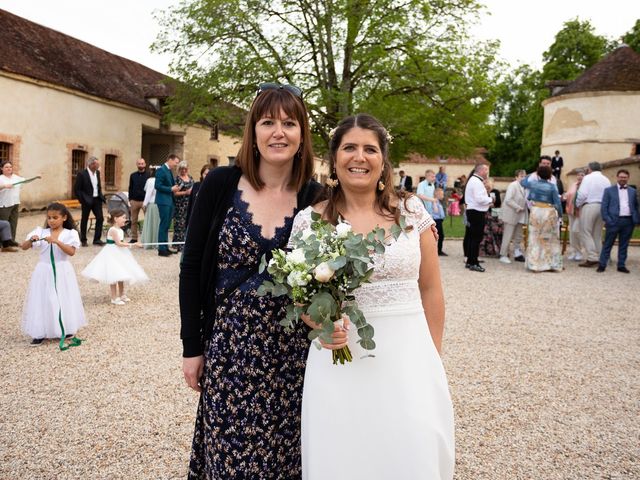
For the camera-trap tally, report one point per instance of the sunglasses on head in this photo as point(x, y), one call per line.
point(277, 86)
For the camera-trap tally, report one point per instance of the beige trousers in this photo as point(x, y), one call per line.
point(509, 232)
point(136, 206)
point(591, 224)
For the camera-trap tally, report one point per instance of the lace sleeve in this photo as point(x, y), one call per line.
point(415, 213)
point(300, 223)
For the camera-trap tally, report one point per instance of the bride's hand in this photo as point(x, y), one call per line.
point(340, 335)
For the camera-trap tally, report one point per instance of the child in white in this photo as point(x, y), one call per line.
point(50, 295)
point(115, 264)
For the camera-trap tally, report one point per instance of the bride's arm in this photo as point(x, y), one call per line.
point(431, 287)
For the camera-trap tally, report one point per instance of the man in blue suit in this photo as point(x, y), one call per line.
point(619, 210)
point(165, 188)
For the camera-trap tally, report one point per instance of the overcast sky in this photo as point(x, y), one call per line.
point(127, 28)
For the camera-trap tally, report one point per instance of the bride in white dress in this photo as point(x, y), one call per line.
point(388, 413)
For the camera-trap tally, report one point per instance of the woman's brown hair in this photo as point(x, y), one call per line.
point(270, 103)
point(385, 198)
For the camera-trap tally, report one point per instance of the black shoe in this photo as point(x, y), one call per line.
point(519, 258)
point(476, 268)
point(466, 265)
point(480, 261)
point(442, 254)
point(11, 243)
point(164, 253)
point(69, 335)
point(99, 243)
point(84, 243)
point(600, 269)
point(623, 270)
point(36, 341)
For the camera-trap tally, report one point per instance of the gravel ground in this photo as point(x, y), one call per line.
point(543, 368)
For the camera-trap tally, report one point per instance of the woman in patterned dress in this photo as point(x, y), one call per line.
point(181, 201)
point(248, 369)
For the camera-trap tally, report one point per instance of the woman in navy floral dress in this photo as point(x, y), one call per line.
point(248, 369)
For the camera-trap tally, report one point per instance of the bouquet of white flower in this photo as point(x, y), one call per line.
point(320, 274)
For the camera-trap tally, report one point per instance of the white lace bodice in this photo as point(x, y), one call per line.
point(395, 277)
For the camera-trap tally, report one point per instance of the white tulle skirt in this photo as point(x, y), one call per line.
point(383, 417)
point(42, 303)
point(115, 264)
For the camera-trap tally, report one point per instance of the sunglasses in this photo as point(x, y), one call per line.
point(296, 91)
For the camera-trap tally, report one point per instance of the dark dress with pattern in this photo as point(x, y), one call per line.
point(180, 213)
point(248, 421)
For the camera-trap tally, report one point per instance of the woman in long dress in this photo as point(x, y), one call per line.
point(151, 213)
point(388, 413)
point(544, 250)
point(248, 369)
point(181, 200)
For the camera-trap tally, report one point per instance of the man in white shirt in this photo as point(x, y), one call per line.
point(589, 200)
point(478, 202)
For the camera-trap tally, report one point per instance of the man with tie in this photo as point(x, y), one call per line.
point(426, 190)
point(88, 191)
point(406, 183)
point(165, 188)
point(620, 213)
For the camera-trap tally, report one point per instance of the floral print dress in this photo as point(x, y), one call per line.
point(180, 213)
point(248, 421)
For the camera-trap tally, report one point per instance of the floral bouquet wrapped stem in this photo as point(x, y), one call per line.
point(319, 275)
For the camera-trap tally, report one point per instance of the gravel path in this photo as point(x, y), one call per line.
point(544, 374)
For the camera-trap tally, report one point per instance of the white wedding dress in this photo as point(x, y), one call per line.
point(388, 413)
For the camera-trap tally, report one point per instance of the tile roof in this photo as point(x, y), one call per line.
point(38, 52)
point(618, 71)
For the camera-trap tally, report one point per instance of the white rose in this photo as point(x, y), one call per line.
point(306, 233)
point(323, 272)
point(297, 279)
point(296, 257)
point(342, 229)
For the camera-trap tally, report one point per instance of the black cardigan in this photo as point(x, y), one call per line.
point(198, 267)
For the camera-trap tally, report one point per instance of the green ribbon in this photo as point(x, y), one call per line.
point(73, 341)
point(26, 181)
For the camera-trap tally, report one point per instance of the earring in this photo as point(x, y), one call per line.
point(381, 185)
point(332, 181)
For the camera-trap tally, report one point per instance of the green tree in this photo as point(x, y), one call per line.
point(410, 62)
point(632, 37)
point(516, 118)
point(576, 47)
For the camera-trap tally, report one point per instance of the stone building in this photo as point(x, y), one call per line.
point(63, 100)
point(595, 117)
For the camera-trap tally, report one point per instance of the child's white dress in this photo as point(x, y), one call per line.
point(115, 264)
point(42, 303)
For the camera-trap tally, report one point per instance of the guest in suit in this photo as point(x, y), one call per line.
point(88, 191)
point(512, 214)
point(406, 183)
point(165, 188)
point(620, 213)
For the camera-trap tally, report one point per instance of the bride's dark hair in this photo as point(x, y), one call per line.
point(384, 198)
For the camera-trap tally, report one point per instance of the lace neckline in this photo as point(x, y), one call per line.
point(255, 230)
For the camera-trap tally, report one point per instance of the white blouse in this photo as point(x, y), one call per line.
point(10, 196)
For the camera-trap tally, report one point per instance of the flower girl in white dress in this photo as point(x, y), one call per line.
point(53, 296)
point(388, 413)
point(115, 265)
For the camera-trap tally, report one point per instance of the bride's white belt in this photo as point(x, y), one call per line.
point(389, 295)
